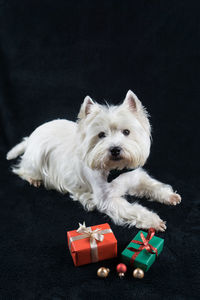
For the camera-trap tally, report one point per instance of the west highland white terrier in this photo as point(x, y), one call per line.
point(76, 158)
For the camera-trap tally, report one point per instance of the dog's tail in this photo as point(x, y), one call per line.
point(18, 149)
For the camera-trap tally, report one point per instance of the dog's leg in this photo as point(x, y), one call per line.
point(139, 183)
point(108, 199)
point(124, 213)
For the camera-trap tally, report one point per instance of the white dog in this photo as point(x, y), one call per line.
point(76, 157)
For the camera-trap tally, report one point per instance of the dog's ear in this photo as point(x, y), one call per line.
point(86, 107)
point(132, 102)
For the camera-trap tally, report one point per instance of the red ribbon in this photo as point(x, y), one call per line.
point(144, 245)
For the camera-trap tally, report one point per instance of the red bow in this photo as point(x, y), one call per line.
point(144, 244)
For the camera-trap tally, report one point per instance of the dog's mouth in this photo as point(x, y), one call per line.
point(119, 162)
point(116, 158)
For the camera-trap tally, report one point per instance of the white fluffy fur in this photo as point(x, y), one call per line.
point(70, 157)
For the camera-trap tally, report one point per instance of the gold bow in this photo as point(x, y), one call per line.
point(91, 234)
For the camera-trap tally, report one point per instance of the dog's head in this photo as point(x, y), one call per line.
point(114, 137)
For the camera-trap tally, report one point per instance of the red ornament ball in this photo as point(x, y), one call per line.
point(121, 268)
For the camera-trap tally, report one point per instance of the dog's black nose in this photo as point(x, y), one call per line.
point(115, 151)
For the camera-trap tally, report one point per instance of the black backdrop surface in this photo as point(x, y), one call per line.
point(54, 53)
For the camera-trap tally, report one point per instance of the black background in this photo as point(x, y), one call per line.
point(54, 53)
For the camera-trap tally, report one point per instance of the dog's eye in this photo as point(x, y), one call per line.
point(126, 132)
point(101, 134)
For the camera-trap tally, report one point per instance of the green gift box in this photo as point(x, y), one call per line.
point(142, 250)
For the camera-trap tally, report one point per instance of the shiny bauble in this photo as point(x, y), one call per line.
point(103, 272)
point(121, 270)
point(138, 273)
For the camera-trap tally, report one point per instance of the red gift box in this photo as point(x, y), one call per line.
point(91, 244)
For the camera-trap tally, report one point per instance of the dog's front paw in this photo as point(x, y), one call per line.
point(169, 197)
point(151, 220)
point(160, 225)
point(174, 199)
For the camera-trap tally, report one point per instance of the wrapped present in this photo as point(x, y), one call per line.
point(91, 244)
point(143, 250)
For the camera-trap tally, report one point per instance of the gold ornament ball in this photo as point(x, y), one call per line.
point(138, 273)
point(103, 272)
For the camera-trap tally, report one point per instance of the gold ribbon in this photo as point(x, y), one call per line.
point(93, 235)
